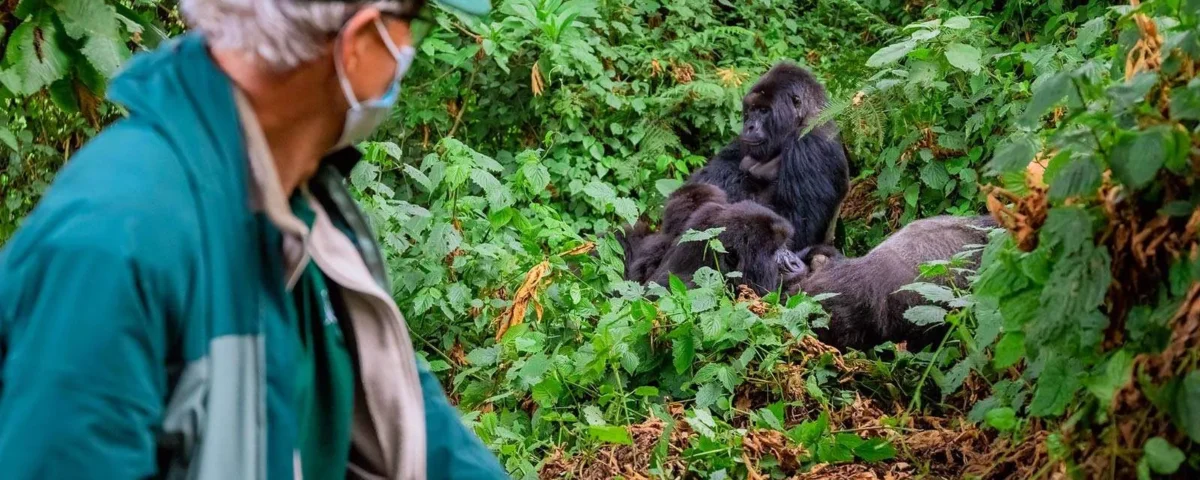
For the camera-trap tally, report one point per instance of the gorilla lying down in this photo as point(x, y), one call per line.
point(869, 309)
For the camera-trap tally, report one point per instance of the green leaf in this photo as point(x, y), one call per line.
point(667, 185)
point(35, 55)
point(683, 350)
point(1046, 94)
point(1014, 154)
point(1185, 409)
point(547, 392)
point(1003, 419)
point(891, 54)
point(1185, 102)
point(1127, 95)
point(626, 208)
point(593, 416)
point(958, 23)
point(964, 57)
point(1115, 373)
point(708, 395)
point(934, 175)
point(497, 194)
point(1056, 387)
point(62, 93)
point(875, 450)
point(645, 391)
point(912, 194)
point(96, 24)
point(1163, 458)
point(677, 285)
point(695, 236)
point(484, 356)
point(930, 291)
point(419, 177)
point(602, 192)
point(614, 434)
point(536, 176)
point(809, 432)
point(1009, 350)
point(1080, 177)
point(534, 368)
point(922, 315)
point(1136, 158)
point(1089, 33)
point(8, 139)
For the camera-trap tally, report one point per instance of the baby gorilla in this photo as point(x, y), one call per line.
point(753, 237)
point(644, 250)
point(868, 309)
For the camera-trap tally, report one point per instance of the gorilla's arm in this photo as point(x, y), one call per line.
point(724, 171)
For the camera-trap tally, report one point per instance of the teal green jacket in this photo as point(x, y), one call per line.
point(142, 309)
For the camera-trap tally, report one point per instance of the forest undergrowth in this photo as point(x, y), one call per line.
point(524, 139)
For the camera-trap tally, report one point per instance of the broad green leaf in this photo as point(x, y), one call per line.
point(593, 415)
point(35, 56)
point(8, 139)
point(922, 315)
point(602, 192)
point(677, 285)
point(1090, 32)
point(1003, 419)
point(695, 236)
point(439, 366)
point(547, 392)
point(957, 23)
point(534, 368)
point(614, 434)
point(1080, 177)
point(645, 391)
point(96, 24)
point(923, 35)
point(1136, 157)
point(930, 291)
point(1056, 387)
point(891, 54)
point(1009, 350)
point(934, 175)
point(497, 194)
point(484, 356)
point(536, 176)
point(1115, 373)
point(1185, 101)
point(1046, 94)
point(683, 351)
point(964, 57)
point(708, 395)
point(1014, 154)
point(666, 186)
point(1185, 409)
point(62, 93)
point(809, 432)
point(626, 208)
point(1127, 95)
point(1162, 457)
point(912, 194)
point(419, 177)
point(875, 450)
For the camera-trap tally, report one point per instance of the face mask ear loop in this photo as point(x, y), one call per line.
point(347, 89)
point(402, 61)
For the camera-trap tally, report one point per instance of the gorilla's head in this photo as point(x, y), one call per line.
point(777, 107)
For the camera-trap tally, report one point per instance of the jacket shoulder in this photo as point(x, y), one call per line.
point(124, 192)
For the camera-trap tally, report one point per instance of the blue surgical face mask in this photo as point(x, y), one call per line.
point(364, 117)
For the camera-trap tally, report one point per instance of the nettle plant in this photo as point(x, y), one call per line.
point(1097, 285)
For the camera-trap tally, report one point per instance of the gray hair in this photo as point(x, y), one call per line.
point(281, 33)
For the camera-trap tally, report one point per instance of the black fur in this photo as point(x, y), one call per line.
point(804, 179)
point(752, 238)
point(644, 250)
point(868, 310)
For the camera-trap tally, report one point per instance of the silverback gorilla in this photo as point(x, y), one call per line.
point(868, 309)
point(802, 178)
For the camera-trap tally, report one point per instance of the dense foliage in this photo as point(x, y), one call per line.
point(524, 138)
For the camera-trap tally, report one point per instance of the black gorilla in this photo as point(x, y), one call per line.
point(868, 310)
point(802, 178)
point(753, 237)
point(645, 250)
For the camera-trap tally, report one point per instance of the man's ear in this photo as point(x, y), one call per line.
point(357, 34)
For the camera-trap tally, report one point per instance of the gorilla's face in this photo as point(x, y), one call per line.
point(767, 122)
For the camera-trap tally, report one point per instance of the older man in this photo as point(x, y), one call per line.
point(197, 296)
